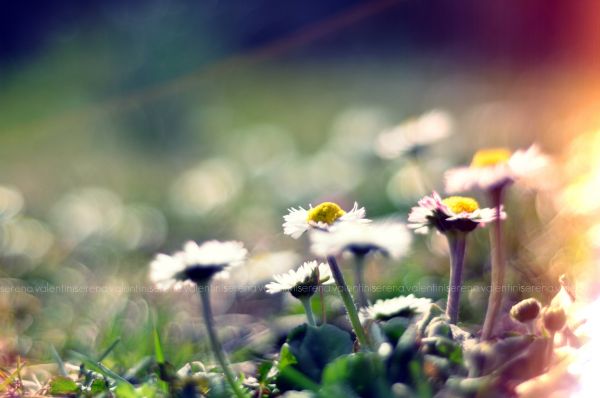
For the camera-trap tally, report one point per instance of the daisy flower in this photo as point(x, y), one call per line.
point(302, 281)
point(199, 264)
point(389, 238)
point(196, 263)
point(493, 170)
point(323, 216)
point(405, 306)
point(455, 217)
point(455, 213)
point(414, 134)
point(497, 167)
point(302, 284)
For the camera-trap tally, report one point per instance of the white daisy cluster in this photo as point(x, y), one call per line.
point(452, 213)
point(414, 134)
point(196, 263)
point(496, 167)
point(389, 238)
point(406, 306)
point(302, 281)
point(323, 216)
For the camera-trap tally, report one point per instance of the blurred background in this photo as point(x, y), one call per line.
point(129, 127)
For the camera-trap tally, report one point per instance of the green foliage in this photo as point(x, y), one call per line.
point(308, 351)
point(363, 373)
point(395, 328)
point(63, 386)
point(98, 386)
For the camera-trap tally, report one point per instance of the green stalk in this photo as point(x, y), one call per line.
point(348, 303)
point(309, 312)
point(214, 340)
point(498, 268)
point(323, 307)
point(359, 271)
point(457, 242)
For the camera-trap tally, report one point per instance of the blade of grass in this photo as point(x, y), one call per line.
point(97, 367)
point(299, 378)
point(158, 350)
point(9, 379)
point(58, 360)
point(109, 350)
point(160, 358)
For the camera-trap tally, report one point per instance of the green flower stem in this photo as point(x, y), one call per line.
point(309, 312)
point(457, 242)
point(359, 270)
point(214, 340)
point(323, 307)
point(498, 268)
point(348, 303)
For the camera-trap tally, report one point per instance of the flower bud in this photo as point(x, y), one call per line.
point(526, 310)
point(554, 319)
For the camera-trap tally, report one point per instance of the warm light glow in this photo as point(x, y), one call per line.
point(586, 365)
point(582, 195)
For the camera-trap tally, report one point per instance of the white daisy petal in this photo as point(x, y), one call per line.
point(414, 133)
point(298, 221)
point(303, 277)
point(295, 222)
point(432, 212)
point(216, 257)
point(391, 238)
point(402, 305)
point(525, 166)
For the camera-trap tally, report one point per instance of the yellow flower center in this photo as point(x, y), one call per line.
point(490, 157)
point(461, 204)
point(326, 212)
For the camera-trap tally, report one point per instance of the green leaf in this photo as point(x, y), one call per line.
point(126, 390)
point(395, 328)
point(406, 350)
point(449, 349)
point(363, 373)
point(98, 386)
point(263, 370)
point(286, 358)
point(439, 328)
point(315, 347)
point(307, 351)
point(62, 385)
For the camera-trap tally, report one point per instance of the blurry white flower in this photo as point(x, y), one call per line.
point(205, 187)
point(261, 267)
point(496, 167)
point(390, 238)
point(196, 263)
point(303, 281)
point(354, 126)
point(406, 306)
point(452, 213)
point(11, 202)
point(23, 236)
point(414, 134)
point(87, 212)
point(140, 226)
point(323, 216)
